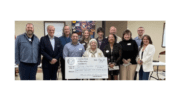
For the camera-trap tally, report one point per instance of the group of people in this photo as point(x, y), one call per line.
point(130, 55)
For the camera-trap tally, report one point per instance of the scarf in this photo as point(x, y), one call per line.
point(93, 52)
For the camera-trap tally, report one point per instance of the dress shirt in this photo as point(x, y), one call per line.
point(52, 41)
point(138, 41)
point(71, 50)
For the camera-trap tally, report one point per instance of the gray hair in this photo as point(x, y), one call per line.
point(64, 27)
point(89, 44)
point(49, 26)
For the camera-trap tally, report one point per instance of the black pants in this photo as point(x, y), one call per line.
point(63, 68)
point(27, 71)
point(135, 76)
point(50, 72)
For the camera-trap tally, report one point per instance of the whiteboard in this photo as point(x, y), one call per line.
point(164, 38)
point(58, 28)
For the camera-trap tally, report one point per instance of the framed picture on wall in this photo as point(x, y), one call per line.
point(58, 27)
point(164, 37)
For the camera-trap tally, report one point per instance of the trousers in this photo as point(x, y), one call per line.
point(27, 71)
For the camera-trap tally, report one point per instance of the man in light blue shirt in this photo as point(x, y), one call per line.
point(74, 48)
point(138, 40)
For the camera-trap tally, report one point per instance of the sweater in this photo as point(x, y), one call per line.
point(129, 50)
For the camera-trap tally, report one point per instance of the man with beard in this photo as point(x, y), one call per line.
point(51, 50)
point(27, 53)
point(64, 40)
point(113, 30)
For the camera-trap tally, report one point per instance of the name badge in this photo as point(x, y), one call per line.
point(29, 39)
point(129, 44)
point(107, 51)
point(83, 43)
point(80, 48)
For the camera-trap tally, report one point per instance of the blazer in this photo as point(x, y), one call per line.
point(103, 44)
point(116, 53)
point(147, 58)
point(47, 51)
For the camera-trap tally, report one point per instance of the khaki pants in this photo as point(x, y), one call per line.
point(128, 72)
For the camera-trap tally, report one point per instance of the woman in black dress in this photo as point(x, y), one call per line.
point(113, 53)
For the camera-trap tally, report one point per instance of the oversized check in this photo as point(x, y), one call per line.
point(86, 68)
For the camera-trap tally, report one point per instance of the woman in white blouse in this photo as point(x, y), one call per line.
point(145, 58)
point(92, 50)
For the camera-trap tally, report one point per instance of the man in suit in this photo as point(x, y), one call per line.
point(27, 55)
point(51, 50)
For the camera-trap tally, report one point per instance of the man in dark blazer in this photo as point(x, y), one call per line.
point(51, 50)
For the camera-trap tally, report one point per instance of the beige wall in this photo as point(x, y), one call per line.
point(39, 27)
point(120, 25)
point(97, 25)
point(152, 28)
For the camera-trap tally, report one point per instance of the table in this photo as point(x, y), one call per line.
point(157, 64)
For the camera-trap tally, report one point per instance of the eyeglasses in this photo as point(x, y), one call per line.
point(140, 30)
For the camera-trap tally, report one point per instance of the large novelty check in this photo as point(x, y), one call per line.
point(85, 68)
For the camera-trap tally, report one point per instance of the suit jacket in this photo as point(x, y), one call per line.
point(147, 58)
point(103, 44)
point(47, 51)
